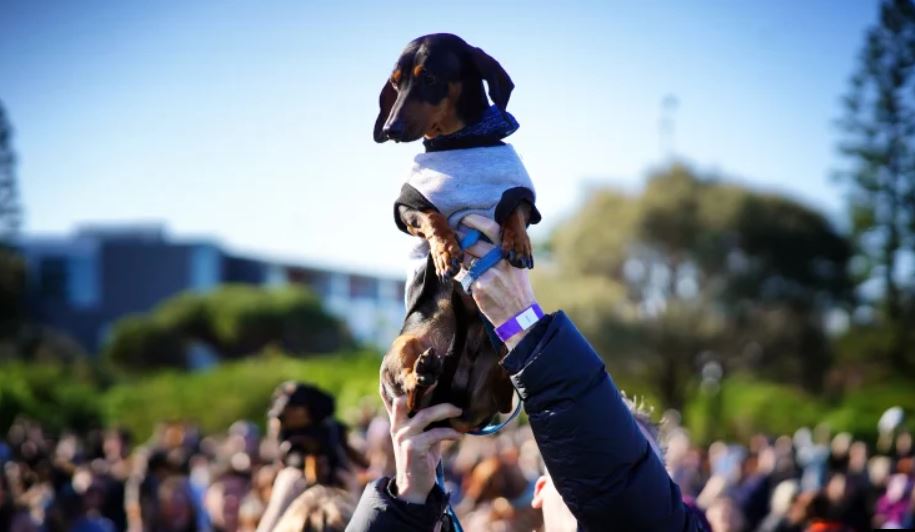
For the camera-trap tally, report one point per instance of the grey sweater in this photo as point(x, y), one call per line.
point(489, 181)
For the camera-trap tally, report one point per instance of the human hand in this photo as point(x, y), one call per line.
point(503, 290)
point(417, 451)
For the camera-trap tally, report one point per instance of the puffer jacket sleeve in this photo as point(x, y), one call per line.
point(380, 511)
point(599, 460)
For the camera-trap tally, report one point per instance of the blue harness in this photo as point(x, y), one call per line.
point(477, 268)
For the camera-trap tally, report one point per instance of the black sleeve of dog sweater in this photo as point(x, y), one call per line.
point(412, 198)
point(510, 200)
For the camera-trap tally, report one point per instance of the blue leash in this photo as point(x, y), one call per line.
point(477, 268)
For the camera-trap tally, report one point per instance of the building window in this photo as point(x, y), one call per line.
point(361, 286)
point(206, 267)
point(52, 279)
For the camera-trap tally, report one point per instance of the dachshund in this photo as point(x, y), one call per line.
point(446, 352)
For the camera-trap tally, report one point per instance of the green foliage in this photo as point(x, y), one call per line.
point(868, 352)
point(747, 405)
point(879, 142)
point(65, 397)
point(235, 320)
point(235, 390)
point(12, 290)
point(51, 393)
point(141, 343)
point(695, 269)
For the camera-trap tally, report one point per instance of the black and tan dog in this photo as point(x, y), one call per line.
point(444, 352)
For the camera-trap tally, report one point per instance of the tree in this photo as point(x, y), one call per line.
point(10, 211)
point(879, 143)
point(12, 267)
point(234, 320)
point(695, 270)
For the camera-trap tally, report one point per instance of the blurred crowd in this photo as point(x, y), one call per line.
point(306, 472)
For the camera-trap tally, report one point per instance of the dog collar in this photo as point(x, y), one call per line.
point(493, 126)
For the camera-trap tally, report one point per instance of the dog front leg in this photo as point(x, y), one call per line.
point(443, 243)
point(516, 244)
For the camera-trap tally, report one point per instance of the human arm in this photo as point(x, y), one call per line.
point(599, 460)
point(412, 500)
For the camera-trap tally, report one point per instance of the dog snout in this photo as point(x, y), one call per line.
point(394, 130)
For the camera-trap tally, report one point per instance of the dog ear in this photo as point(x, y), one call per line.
point(500, 85)
point(385, 101)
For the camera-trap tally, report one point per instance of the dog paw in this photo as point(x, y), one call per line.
point(447, 257)
point(516, 248)
point(427, 369)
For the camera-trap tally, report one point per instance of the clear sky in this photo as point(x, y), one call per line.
point(249, 122)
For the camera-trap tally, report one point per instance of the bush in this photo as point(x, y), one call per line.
point(243, 319)
point(236, 390)
point(748, 406)
point(141, 343)
point(236, 320)
point(52, 394)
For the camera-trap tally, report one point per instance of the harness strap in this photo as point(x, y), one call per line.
point(493, 428)
point(449, 511)
point(477, 269)
point(479, 266)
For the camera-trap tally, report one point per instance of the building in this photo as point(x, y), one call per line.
point(82, 283)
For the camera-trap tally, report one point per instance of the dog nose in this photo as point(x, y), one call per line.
point(394, 130)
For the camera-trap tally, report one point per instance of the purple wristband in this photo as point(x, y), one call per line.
point(521, 321)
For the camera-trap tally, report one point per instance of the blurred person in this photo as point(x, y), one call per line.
point(904, 444)
point(839, 451)
point(318, 509)
point(683, 462)
point(263, 482)
point(892, 508)
point(379, 450)
point(600, 462)
point(783, 497)
point(13, 517)
point(250, 512)
point(812, 510)
point(492, 478)
point(751, 494)
point(175, 507)
point(224, 497)
point(812, 455)
point(724, 515)
point(90, 494)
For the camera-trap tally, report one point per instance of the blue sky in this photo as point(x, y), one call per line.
point(249, 122)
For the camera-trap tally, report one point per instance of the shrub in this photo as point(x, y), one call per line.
point(52, 394)
point(236, 390)
point(141, 343)
point(236, 320)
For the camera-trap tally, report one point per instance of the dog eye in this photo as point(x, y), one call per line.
point(427, 78)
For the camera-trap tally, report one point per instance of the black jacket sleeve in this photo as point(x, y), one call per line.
point(599, 460)
point(380, 511)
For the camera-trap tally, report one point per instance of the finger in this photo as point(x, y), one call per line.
point(399, 413)
point(432, 437)
point(384, 399)
point(429, 415)
point(477, 250)
point(487, 226)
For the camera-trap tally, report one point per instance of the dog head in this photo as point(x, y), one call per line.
point(436, 88)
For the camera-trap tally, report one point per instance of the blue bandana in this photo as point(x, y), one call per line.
point(493, 126)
